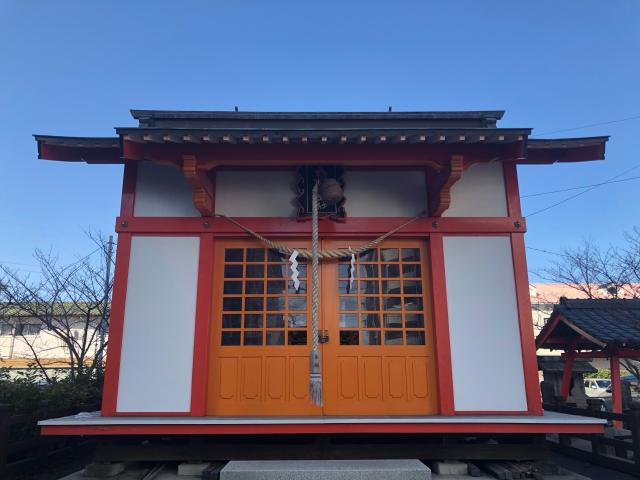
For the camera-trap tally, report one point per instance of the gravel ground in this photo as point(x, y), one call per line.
point(60, 467)
point(587, 469)
point(79, 459)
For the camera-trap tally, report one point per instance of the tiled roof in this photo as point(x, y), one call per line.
point(553, 292)
point(611, 321)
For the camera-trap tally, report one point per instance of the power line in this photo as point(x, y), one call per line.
point(17, 263)
point(81, 259)
point(549, 207)
point(105, 249)
point(546, 251)
point(25, 270)
point(635, 117)
point(579, 188)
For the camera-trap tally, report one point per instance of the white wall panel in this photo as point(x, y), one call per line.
point(383, 193)
point(162, 191)
point(480, 192)
point(256, 193)
point(159, 323)
point(486, 354)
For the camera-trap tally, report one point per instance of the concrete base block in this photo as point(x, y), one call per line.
point(435, 476)
point(103, 469)
point(474, 470)
point(326, 470)
point(567, 475)
point(192, 469)
point(450, 467)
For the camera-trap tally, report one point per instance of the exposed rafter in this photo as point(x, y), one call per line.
point(201, 184)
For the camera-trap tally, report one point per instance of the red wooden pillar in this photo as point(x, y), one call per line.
point(441, 325)
point(569, 357)
point(614, 360)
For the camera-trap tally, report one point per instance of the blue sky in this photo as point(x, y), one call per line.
point(76, 68)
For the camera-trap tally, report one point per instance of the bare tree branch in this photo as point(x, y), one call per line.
point(67, 301)
point(597, 273)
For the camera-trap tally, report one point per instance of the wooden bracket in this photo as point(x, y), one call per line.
point(438, 167)
point(201, 183)
point(440, 186)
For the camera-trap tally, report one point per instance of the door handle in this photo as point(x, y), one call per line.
point(323, 336)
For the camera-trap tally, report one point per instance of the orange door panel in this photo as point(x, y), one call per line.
point(260, 334)
point(379, 359)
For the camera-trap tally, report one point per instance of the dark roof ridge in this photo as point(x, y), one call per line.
point(487, 131)
point(221, 114)
point(75, 137)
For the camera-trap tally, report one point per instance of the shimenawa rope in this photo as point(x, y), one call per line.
point(315, 373)
point(336, 253)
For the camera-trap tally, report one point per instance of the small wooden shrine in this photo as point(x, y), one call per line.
point(594, 328)
point(418, 309)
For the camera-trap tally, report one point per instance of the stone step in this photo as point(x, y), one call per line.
point(326, 470)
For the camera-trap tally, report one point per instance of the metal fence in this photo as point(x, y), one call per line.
point(21, 445)
point(619, 451)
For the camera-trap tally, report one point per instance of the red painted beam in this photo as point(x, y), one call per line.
point(567, 374)
point(107, 155)
point(129, 179)
point(201, 334)
point(116, 326)
point(527, 341)
point(352, 227)
point(512, 191)
point(441, 325)
point(572, 154)
point(616, 394)
point(212, 156)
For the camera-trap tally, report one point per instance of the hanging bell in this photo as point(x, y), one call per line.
point(330, 190)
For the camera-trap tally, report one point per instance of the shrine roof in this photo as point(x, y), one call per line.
point(593, 323)
point(302, 128)
point(315, 120)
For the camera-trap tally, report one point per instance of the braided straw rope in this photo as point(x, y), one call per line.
point(336, 253)
point(315, 362)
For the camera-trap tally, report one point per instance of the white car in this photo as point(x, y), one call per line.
point(597, 387)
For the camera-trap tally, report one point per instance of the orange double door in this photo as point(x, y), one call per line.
point(377, 353)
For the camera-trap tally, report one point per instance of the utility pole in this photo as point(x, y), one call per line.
point(102, 327)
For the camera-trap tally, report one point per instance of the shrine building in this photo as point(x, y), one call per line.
point(426, 330)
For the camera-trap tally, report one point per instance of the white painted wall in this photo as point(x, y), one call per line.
point(253, 193)
point(480, 192)
point(256, 193)
point(385, 193)
point(486, 354)
point(45, 343)
point(162, 191)
point(159, 323)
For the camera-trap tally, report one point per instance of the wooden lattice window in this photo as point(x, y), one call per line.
point(385, 304)
point(260, 305)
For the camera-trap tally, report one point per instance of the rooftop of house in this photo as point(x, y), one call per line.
point(10, 311)
point(550, 293)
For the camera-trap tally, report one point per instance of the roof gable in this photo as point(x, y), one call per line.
point(608, 321)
